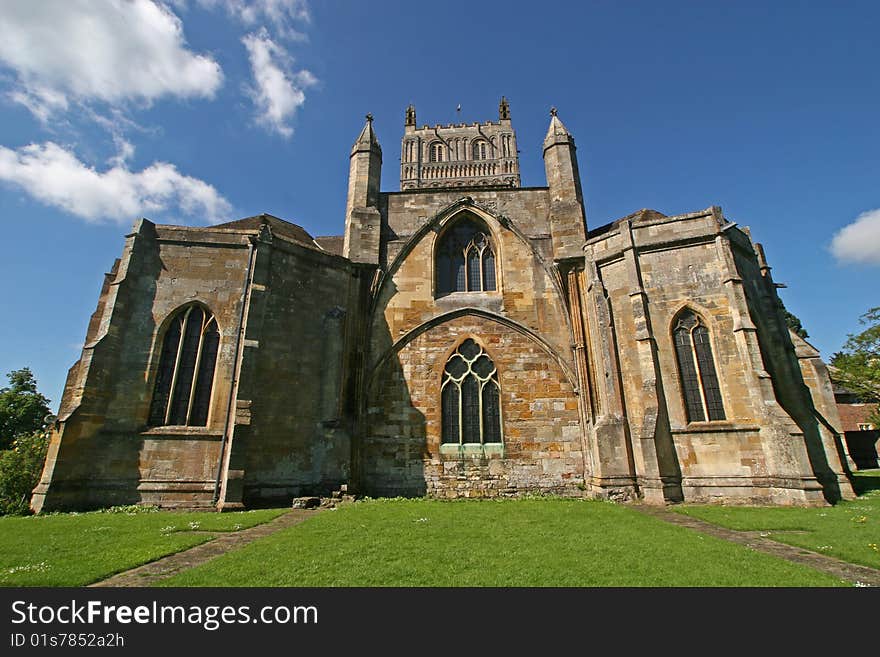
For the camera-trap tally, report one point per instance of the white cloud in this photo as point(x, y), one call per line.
point(281, 14)
point(55, 176)
point(278, 91)
point(859, 242)
point(110, 50)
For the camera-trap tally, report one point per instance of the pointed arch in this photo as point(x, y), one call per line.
point(377, 364)
point(496, 223)
point(465, 257)
point(187, 360)
point(696, 367)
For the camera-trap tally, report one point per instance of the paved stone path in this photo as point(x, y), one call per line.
point(756, 541)
point(165, 567)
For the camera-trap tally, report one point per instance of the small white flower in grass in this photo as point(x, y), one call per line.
point(195, 525)
point(764, 534)
point(825, 547)
point(862, 585)
point(168, 529)
point(237, 526)
point(421, 520)
point(29, 568)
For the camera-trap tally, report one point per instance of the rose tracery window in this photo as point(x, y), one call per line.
point(182, 395)
point(466, 260)
point(470, 397)
point(699, 382)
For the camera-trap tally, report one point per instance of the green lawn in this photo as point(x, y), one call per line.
point(529, 542)
point(849, 531)
point(74, 549)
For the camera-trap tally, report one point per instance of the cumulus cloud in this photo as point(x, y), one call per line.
point(281, 14)
point(56, 177)
point(278, 91)
point(111, 51)
point(859, 242)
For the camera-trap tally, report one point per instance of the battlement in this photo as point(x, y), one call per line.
point(475, 124)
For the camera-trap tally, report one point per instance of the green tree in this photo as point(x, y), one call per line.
point(794, 323)
point(858, 363)
point(22, 408)
point(20, 469)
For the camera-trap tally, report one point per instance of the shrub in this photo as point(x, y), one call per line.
point(20, 469)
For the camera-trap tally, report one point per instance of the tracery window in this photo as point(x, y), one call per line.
point(466, 259)
point(182, 395)
point(479, 150)
point(699, 382)
point(435, 152)
point(470, 397)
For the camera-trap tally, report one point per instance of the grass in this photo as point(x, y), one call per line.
point(849, 531)
point(75, 549)
point(529, 542)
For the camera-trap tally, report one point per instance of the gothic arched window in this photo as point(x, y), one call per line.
point(466, 259)
point(699, 382)
point(479, 150)
point(435, 152)
point(470, 397)
point(185, 377)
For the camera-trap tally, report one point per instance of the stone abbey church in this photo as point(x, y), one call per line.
point(465, 337)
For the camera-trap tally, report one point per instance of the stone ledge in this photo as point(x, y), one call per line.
point(471, 451)
point(721, 426)
point(203, 433)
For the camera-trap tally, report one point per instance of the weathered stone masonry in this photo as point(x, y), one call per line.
point(334, 352)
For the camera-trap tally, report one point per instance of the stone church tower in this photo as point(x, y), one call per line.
point(465, 337)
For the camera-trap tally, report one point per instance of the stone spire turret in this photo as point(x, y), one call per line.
point(504, 109)
point(568, 226)
point(362, 219)
point(366, 141)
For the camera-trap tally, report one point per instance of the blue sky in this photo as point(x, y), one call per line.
point(197, 111)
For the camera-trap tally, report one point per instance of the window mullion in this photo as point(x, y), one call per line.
point(699, 373)
point(500, 410)
point(460, 423)
point(183, 322)
point(192, 388)
point(480, 407)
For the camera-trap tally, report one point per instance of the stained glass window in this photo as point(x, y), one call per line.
point(470, 401)
point(185, 377)
point(699, 381)
point(465, 260)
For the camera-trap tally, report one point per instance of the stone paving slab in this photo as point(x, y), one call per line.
point(754, 540)
point(224, 542)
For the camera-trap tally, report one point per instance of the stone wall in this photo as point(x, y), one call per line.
point(405, 213)
point(414, 330)
point(542, 448)
point(652, 268)
point(296, 431)
point(289, 426)
point(102, 451)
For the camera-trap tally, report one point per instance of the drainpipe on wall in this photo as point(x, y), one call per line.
point(236, 371)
